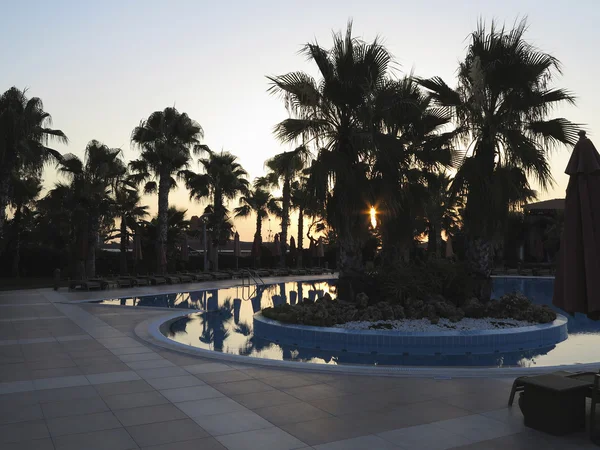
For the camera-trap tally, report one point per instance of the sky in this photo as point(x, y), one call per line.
point(102, 67)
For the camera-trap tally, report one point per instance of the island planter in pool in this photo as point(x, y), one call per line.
point(395, 342)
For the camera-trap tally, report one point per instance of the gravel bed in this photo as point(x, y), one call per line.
point(424, 325)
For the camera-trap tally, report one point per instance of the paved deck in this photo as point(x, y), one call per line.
point(75, 377)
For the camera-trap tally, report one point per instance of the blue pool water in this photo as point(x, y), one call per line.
point(227, 326)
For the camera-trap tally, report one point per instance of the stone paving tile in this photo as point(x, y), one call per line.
point(105, 368)
point(360, 443)
point(23, 431)
point(131, 350)
point(291, 413)
point(263, 399)
point(14, 400)
point(243, 387)
point(208, 443)
point(207, 368)
point(264, 439)
point(349, 404)
point(210, 406)
point(162, 372)
point(112, 377)
point(167, 432)
point(74, 407)
point(152, 364)
point(477, 403)
point(52, 363)
point(22, 413)
point(39, 374)
point(324, 430)
point(37, 444)
point(234, 422)
point(122, 387)
point(16, 386)
point(477, 427)
point(60, 382)
point(424, 437)
point(135, 400)
point(140, 357)
point(315, 391)
point(190, 393)
point(84, 423)
point(287, 382)
point(213, 378)
point(117, 439)
point(175, 382)
point(149, 414)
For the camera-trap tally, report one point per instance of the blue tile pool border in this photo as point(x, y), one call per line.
point(392, 342)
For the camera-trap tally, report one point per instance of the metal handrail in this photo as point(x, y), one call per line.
point(255, 278)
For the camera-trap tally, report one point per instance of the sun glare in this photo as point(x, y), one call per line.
point(373, 217)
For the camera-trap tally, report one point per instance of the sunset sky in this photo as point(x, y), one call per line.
point(101, 67)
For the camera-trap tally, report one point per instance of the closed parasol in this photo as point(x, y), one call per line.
point(320, 248)
point(577, 282)
point(185, 253)
point(277, 249)
point(237, 251)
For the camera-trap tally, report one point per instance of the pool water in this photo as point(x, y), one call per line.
point(226, 325)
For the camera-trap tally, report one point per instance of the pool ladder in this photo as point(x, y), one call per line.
point(253, 280)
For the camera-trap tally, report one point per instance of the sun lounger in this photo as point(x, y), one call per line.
point(298, 272)
point(518, 385)
point(84, 285)
point(125, 282)
point(204, 276)
point(220, 275)
point(154, 279)
point(172, 278)
point(185, 278)
point(262, 273)
point(315, 271)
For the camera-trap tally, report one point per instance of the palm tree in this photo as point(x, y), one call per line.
point(283, 169)
point(260, 202)
point(502, 106)
point(177, 225)
point(25, 190)
point(222, 179)
point(127, 207)
point(91, 182)
point(165, 139)
point(302, 201)
point(336, 114)
point(24, 136)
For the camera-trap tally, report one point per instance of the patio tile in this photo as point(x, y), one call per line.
point(21, 413)
point(315, 391)
point(60, 382)
point(98, 369)
point(37, 444)
point(207, 368)
point(117, 439)
point(130, 350)
point(264, 399)
point(23, 431)
point(74, 407)
point(208, 443)
point(140, 357)
point(16, 399)
point(324, 430)
point(37, 374)
point(424, 437)
point(85, 423)
point(151, 364)
point(287, 382)
point(243, 387)
point(291, 413)
point(476, 427)
point(135, 400)
point(477, 403)
point(149, 414)
point(112, 377)
point(122, 387)
point(16, 386)
point(360, 443)
point(167, 432)
point(175, 382)
point(264, 439)
point(234, 422)
point(190, 393)
point(210, 406)
point(213, 378)
point(162, 372)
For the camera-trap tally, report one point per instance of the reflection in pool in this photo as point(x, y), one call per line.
point(226, 326)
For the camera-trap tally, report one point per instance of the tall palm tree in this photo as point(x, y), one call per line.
point(24, 136)
point(260, 202)
point(166, 140)
point(128, 209)
point(92, 183)
point(177, 225)
point(502, 105)
point(302, 201)
point(283, 169)
point(336, 114)
point(222, 179)
point(25, 190)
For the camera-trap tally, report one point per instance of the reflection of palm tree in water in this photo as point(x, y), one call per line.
point(214, 330)
point(279, 299)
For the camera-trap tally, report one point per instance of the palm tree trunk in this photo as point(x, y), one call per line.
point(285, 217)
point(350, 266)
point(123, 255)
point(17, 255)
point(164, 185)
point(480, 258)
point(432, 239)
point(300, 236)
point(4, 188)
point(258, 226)
point(90, 263)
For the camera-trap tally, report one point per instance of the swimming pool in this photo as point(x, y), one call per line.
point(226, 325)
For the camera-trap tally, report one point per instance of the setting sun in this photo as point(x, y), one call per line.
point(373, 213)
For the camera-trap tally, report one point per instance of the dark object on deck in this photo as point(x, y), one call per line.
point(56, 279)
point(577, 282)
point(594, 434)
point(519, 386)
point(554, 404)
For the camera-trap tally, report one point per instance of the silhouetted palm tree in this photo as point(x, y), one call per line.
point(260, 202)
point(222, 179)
point(166, 140)
point(336, 114)
point(502, 104)
point(24, 136)
point(283, 169)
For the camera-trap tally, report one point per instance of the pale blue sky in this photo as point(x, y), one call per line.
point(101, 67)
